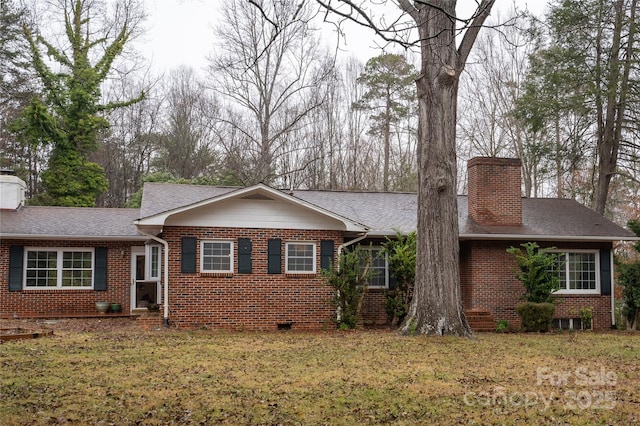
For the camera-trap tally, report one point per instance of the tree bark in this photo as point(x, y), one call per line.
point(436, 307)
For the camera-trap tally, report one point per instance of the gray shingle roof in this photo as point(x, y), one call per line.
point(69, 222)
point(161, 197)
point(384, 213)
point(548, 218)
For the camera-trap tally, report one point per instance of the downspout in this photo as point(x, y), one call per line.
point(348, 243)
point(165, 276)
point(613, 294)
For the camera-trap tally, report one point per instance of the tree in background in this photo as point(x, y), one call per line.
point(16, 89)
point(186, 147)
point(389, 95)
point(489, 92)
point(581, 90)
point(268, 66)
point(133, 139)
point(69, 117)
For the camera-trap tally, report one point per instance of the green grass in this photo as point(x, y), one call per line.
point(209, 377)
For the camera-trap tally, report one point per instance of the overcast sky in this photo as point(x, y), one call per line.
point(180, 31)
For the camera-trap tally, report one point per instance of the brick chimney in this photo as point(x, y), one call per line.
point(495, 194)
point(12, 190)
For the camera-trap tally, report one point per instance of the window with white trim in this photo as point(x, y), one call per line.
point(578, 271)
point(379, 267)
point(300, 258)
point(216, 256)
point(58, 268)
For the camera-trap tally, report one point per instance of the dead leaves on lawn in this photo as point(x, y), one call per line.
point(208, 377)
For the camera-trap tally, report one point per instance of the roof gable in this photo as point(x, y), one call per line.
point(258, 206)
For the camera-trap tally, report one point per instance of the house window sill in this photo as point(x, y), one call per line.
point(300, 275)
point(217, 274)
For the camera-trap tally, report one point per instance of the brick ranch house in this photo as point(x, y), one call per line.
point(250, 257)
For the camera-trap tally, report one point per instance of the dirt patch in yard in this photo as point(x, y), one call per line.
point(75, 325)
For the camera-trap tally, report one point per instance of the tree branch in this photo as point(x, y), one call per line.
point(472, 32)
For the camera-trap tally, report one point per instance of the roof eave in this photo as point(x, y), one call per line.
point(73, 237)
point(534, 237)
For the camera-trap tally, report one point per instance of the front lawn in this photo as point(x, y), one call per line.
point(208, 377)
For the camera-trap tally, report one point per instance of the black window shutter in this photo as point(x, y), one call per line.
point(605, 272)
point(188, 263)
point(326, 254)
point(244, 256)
point(393, 282)
point(16, 259)
point(100, 269)
point(274, 256)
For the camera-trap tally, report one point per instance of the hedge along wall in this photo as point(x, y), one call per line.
point(259, 295)
point(51, 302)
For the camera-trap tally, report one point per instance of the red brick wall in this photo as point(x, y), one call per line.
point(495, 196)
point(257, 301)
point(490, 283)
point(52, 302)
point(373, 309)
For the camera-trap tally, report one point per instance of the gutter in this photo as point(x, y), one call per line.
point(348, 243)
point(533, 237)
point(165, 276)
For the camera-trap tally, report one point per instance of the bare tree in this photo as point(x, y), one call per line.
point(132, 141)
point(187, 148)
point(267, 65)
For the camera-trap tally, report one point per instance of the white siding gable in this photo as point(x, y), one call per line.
point(255, 213)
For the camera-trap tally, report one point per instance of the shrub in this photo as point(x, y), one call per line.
point(536, 271)
point(536, 317)
point(350, 281)
point(586, 316)
point(629, 278)
point(401, 255)
point(502, 326)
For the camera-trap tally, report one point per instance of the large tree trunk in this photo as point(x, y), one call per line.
point(436, 308)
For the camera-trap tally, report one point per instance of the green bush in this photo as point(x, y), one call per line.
point(536, 317)
point(350, 282)
point(537, 272)
point(502, 326)
point(401, 255)
point(629, 278)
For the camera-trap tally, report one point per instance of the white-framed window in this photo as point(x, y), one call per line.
point(216, 256)
point(153, 261)
point(300, 257)
point(380, 268)
point(58, 268)
point(578, 271)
